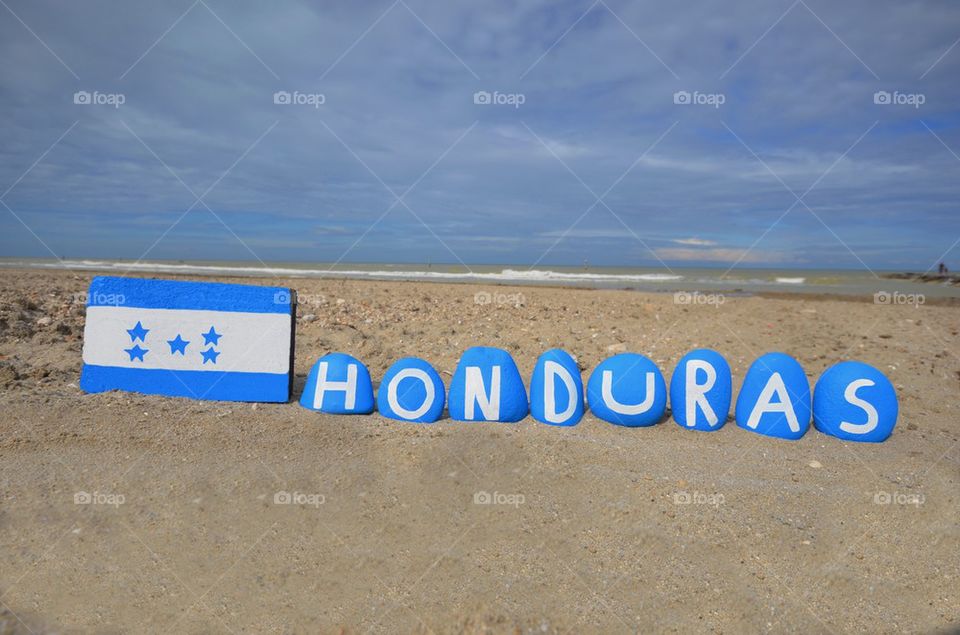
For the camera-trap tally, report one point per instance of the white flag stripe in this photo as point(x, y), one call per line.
point(248, 342)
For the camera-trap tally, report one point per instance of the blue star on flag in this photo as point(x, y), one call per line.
point(136, 352)
point(138, 333)
point(211, 337)
point(209, 355)
point(178, 345)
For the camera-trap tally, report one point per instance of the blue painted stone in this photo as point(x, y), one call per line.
point(556, 389)
point(856, 402)
point(775, 398)
point(473, 396)
point(700, 390)
point(203, 340)
point(411, 390)
point(628, 390)
point(339, 384)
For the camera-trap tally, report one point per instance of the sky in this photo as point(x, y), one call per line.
point(788, 134)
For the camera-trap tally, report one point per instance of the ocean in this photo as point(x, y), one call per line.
point(741, 280)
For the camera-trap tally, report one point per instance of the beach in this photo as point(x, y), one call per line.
point(481, 527)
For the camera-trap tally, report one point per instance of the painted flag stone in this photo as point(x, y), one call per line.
point(775, 398)
point(487, 387)
point(627, 390)
point(556, 389)
point(339, 384)
point(700, 390)
point(856, 402)
point(204, 340)
point(411, 390)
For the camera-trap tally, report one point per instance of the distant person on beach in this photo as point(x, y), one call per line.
point(943, 269)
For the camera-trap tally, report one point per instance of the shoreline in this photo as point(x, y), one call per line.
point(735, 292)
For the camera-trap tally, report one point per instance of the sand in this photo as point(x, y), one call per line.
point(591, 532)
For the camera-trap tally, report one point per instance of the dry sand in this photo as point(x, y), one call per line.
point(782, 536)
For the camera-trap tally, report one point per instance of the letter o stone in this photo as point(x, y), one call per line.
point(411, 390)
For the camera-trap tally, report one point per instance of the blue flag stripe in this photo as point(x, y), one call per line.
point(177, 294)
point(262, 387)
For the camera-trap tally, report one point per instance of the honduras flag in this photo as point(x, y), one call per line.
point(203, 340)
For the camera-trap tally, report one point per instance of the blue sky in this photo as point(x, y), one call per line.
point(777, 153)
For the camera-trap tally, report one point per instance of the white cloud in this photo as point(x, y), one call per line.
point(697, 242)
point(612, 234)
point(718, 255)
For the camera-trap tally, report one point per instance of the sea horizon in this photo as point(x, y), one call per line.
point(745, 280)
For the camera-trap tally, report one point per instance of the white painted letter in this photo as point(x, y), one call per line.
point(696, 393)
point(349, 386)
point(475, 393)
point(416, 373)
point(774, 385)
point(606, 390)
point(552, 369)
point(850, 394)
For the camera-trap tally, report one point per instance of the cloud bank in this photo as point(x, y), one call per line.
point(533, 132)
